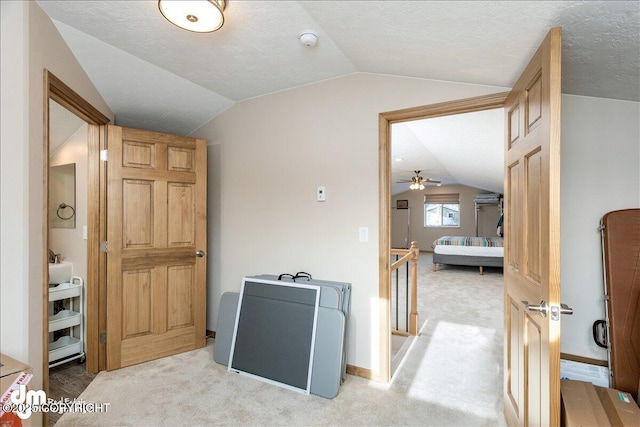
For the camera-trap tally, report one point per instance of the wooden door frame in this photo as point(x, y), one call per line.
point(385, 120)
point(57, 90)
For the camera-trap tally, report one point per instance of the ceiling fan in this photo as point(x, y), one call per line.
point(417, 182)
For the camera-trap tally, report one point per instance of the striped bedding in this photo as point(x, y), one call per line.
point(491, 242)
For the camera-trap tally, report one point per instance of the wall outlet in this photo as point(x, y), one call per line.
point(321, 194)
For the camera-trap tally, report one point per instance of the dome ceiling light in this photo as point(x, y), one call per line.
point(199, 16)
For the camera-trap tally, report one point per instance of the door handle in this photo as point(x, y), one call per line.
point(557, 311)
point(600, 333)
point(200, 253)
point(541, 308)
point(565, 309)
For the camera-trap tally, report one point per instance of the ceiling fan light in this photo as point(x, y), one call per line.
point(199, 16)
point(421, 187)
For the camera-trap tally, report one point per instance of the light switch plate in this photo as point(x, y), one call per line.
point(321, 194)
point(363, 233)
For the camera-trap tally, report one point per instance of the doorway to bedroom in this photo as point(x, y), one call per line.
point(453, 155)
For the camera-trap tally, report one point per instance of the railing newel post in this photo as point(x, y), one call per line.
point(408, 255)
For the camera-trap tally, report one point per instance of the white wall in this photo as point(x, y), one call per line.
point(275, 150)
point(214, 251)
point(600, 173)
point(69, 242)
point(14, 161)
point(30, 43)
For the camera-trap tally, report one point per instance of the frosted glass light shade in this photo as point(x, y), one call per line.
point(200, 16)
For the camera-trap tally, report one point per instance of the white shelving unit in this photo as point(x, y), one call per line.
point(67, 347)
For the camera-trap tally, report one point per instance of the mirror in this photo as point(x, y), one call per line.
point(62, 196)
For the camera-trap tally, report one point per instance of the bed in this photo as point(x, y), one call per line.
point(472, 251)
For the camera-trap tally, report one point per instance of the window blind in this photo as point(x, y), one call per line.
point(442, 198)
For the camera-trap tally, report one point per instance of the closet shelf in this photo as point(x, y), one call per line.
point(65, 290)
point(487, 199)
point(64, 347)
point(64, 319)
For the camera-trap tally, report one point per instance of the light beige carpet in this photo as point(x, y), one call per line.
point(451, 375)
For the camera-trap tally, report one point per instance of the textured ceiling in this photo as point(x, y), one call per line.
point(155, 76)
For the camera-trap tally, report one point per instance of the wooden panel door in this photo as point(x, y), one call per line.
point(156, 222)
point(532, 234)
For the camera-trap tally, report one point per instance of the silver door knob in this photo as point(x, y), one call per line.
point(200, 254)
point(541, 308)
point(557, 311)
point(565, 309)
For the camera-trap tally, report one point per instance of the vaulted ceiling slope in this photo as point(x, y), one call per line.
point(462, 149)
point(156, 76)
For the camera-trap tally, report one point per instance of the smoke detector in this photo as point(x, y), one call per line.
point(308, 38)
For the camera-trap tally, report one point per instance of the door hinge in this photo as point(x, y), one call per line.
point(103, 155)
point(103, 338)
point(104, 247)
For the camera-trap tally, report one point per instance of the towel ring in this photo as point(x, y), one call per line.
point(64, 206)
